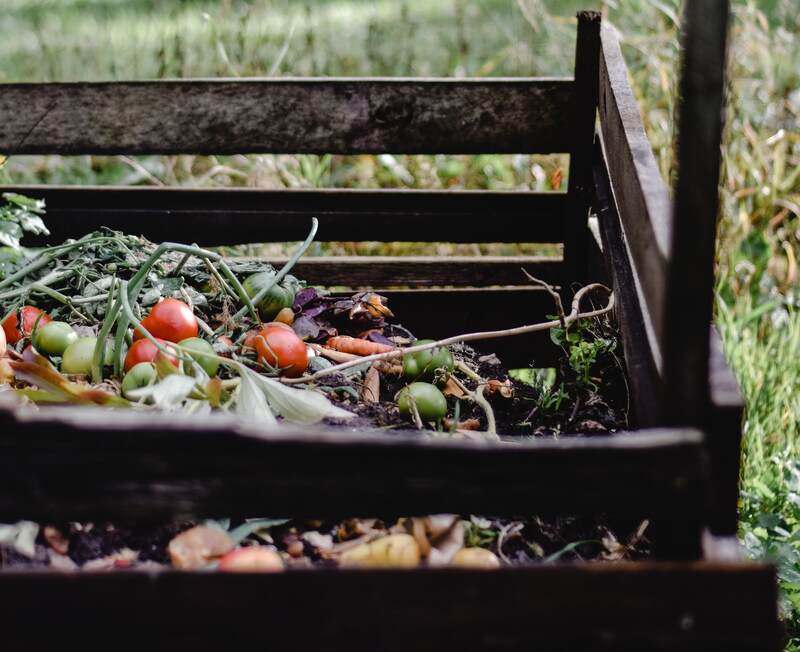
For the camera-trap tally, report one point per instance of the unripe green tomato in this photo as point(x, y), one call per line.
point(77, 358)
point(209, 365)
point(423, 365)
point(278, 298)
point(140, 375)
point(431, 403)
point(54, 337)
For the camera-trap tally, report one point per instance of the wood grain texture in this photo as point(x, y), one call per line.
point(422, 271)
point(690, 289)
point(287, 115)
point(639, 191)
point(437, 314)
point(723, 441)
point(644, 607)
point(87, 464)
point(630, 311)
point(238, 216)
point(582, 126)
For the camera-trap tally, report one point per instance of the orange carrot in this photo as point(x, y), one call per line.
point(347, 344)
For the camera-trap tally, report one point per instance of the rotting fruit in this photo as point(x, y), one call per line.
point(77, 358)
point(252, 559)
point(395, 550)
point(475, 558)
point(145, 351)
point(430, 402)
point(424, 364)
point(31, 316)
point(171, 320)
point(276, 299)
point(140, 375)
point(54, 337)
point(202, 353)
point(282, 348)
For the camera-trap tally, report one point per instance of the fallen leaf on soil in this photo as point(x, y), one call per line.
point(468, 424)
point(371, 390)
point(198, 547)
point(451, 388)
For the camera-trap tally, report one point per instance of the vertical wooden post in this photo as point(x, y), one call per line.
point(584, 113)
point(691, 272)
point(690, 286)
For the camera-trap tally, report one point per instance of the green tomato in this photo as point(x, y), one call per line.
point(423, 365)
point(431, 403)
point(140, 375)
point(54, 337)
point(209, 365)
point(77, 358)
point(275, 300)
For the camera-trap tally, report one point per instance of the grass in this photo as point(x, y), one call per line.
point(757, 304)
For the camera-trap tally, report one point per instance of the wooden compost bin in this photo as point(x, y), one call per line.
point(679, 468)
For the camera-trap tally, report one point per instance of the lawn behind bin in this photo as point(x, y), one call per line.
point(757, 303)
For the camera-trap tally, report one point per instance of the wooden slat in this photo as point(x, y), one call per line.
point(287, 115)
point(639, 191)
point(438, 314)
point(723, 441)
point(631, 310)
point(690, 292)
point(85, 464)
point(584, 116)
point(647, 607)
point(422, 271)
point(238, 216)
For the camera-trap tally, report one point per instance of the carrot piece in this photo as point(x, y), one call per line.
point(347, 344)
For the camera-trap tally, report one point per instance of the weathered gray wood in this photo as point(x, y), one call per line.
point(690, 289)
point(639, 191)
point(238, 216)
point(723, 441)
point(643, 375)
point(87, 463)
point(422, 271)
point(644, 607)
point(582, 125)
point(287, 115)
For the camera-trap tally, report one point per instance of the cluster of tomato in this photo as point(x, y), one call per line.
point(171, 322)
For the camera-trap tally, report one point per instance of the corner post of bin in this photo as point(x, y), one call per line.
point(690, 280)
point(583, 118)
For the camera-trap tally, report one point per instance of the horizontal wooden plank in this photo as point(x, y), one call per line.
point(438, 314)
point(79, 463)
point(238, 216)
point(424, 271)
point(647, 607)
point(641, 196)
point(287, 115)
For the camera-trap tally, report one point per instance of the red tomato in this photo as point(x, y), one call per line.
point(145, 351)
point(170, 320)
point(29, 316)
point(280, 347)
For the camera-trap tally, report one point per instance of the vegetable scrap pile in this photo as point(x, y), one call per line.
point(274, 545)
point(115, 320)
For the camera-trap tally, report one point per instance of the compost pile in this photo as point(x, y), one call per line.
point(114, 320)
point(269, 545)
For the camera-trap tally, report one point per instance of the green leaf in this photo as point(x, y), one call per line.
point(251, 402)
point(167, 393)
point(241, 532)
